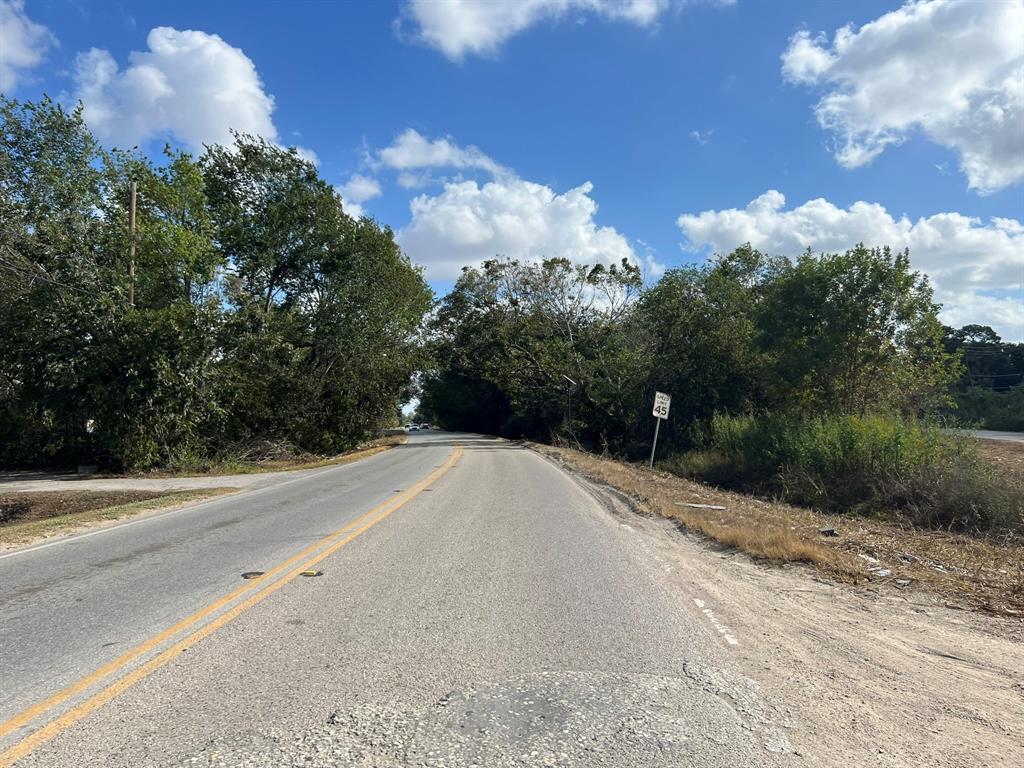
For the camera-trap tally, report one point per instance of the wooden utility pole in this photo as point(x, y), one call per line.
point(131, 236)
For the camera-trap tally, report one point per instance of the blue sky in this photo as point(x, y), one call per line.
point(666, 109)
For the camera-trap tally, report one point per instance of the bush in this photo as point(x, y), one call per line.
point(873, 465)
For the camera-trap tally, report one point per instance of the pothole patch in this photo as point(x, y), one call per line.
point(546, 719)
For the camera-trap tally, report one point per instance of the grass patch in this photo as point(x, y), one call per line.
point(877, 466)
point(966, 571)
point(30, 515)
point(269, 457)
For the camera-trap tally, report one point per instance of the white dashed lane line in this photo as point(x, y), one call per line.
point(723, 630)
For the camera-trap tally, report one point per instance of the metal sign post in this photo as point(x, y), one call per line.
point(662, 403)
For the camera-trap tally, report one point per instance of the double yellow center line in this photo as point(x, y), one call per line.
point(265, 586)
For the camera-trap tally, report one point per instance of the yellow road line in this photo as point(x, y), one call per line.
point(56, 726)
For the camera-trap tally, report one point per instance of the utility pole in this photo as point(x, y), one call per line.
point(131, 251)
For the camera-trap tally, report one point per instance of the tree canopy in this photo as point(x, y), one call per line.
point(263, 311)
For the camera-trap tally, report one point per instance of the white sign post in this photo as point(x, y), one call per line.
point(662, 403)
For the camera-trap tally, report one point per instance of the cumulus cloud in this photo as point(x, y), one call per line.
point(189, 84)
point(952, 69)
point(356, 191)
point(973, 263)
point(468, 223)
point(23, 43)
point(412, 151)
point(460, 27)
point(360, 188)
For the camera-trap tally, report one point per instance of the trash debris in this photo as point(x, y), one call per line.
point(703, 506)
point(252, 574)
point(312, 573)
point(828, 531)
point(869, 559)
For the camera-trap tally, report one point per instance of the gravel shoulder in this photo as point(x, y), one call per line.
point(867, 674)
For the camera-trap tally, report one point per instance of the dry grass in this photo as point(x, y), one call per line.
point(292, 463)
point(967, 572)
point(1006, 456)
point(25, 517)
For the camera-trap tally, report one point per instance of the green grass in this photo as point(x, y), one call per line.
point(871, 465)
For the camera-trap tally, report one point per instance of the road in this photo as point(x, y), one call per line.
point(476, 606)
point(991, 434)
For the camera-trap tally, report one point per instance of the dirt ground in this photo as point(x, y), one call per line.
point(22, 507)
point(864, 674)
point(30, 517)
point(1006, 455)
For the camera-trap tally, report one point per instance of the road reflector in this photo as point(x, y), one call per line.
point(252, 574)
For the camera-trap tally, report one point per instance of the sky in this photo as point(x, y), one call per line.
point(661, 131)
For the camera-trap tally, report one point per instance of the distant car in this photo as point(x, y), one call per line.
point(414, 428)
point(424, 426)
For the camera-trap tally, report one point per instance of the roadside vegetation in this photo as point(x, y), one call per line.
point(821, 381)
point(263, 312)
point(877, 466)
point(267, 456)
point(27, 516)
point(990, 391)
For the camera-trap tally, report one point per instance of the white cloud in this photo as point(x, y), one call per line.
point(412, 151)
point(967, 259)
point(360, 188)
point(467, 223)
point(356, 191)
point(408, 180)
point(23, 43)
point(190, 85)
point(460, 27)
point(353, 209)
point(952, 69)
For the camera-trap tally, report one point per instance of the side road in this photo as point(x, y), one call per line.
point(17, 482)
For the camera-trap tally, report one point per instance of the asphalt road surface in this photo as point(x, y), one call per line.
point(475, 605)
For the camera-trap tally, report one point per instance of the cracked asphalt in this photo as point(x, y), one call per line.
point(503, 616)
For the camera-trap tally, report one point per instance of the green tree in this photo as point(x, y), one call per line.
point(699, 330)
point(543, 345)
point(852, 332)
point(321, 337)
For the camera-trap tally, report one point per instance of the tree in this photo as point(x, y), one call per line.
point(699, 327)
point(852, 332)
point(320, 340)
point(56, 290)
point(531, 342)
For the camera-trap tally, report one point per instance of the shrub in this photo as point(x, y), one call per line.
point(873, 465)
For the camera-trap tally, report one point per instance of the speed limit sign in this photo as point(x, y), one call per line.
point(661, 405)
point(662, 402)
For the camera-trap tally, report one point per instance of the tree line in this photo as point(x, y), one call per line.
point(265, 316)
point(990, 392)
point(263, 313)
point(553, 349)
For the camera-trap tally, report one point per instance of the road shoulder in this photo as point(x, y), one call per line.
point(867, 674)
